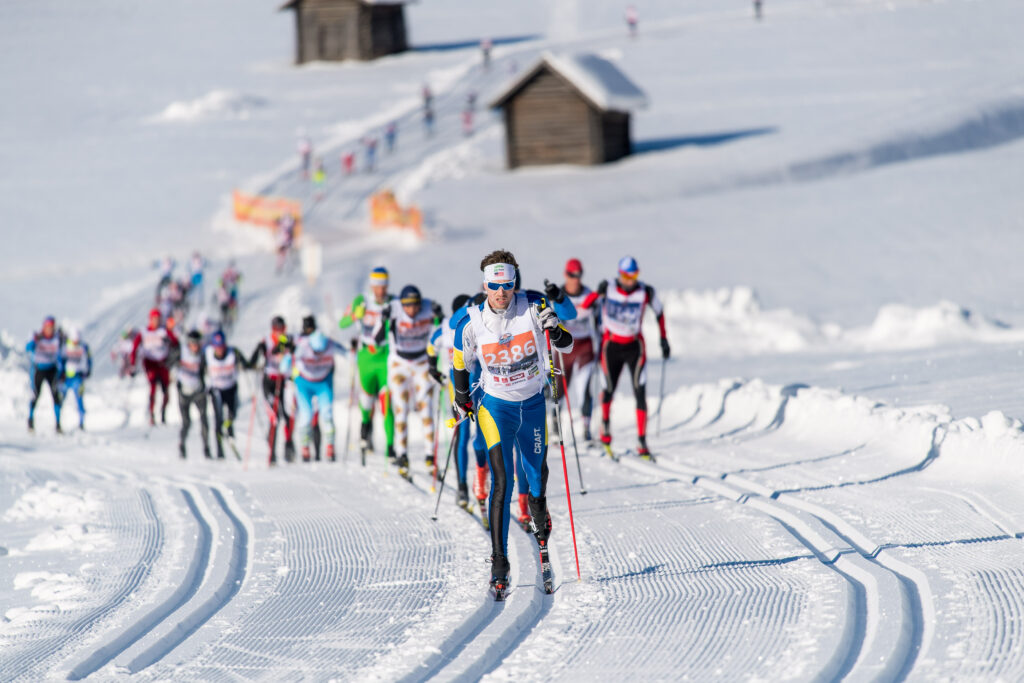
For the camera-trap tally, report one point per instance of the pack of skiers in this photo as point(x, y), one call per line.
point(499, 358)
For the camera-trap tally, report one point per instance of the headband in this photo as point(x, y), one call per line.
point(499, 272)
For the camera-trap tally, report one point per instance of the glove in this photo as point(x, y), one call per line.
point(132, 371)
point(664, 348)
point(355, 344)
point(548, 319)
point(436, 375)
point(602, 288)
point(553, 292)
point(436, 310)
point(464, 406)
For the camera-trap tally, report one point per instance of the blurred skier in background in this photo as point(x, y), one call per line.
point(312, 367)
point(285, 239)
point(121, 352)
point(390, 134)
point(272, 349)
point(192, 390)
point(157, 343)
point(44, 366)
point(196, 269)
point(222, 364)
point(632, 17)
point(77, 363)
point(305, 154)
point(584, 330)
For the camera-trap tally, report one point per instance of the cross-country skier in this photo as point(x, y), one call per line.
point(632, 18)
point(305, 154)
point(222, 365)
point(285, 239)
point(227, 295)
point(622, 342)
point(372, 358)
point(584, 330)
point(121, 353)
point(156, 342)
point(505, 335)
point(273, 349)
point(44, 359)
point(408, 323)
point(390, 134)
point(196, 270)
point(312, 367)
point(442, 344)
point(77, 363)
point(192, 390)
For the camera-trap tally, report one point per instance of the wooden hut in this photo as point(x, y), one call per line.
point(568, 110)
point(334, 30)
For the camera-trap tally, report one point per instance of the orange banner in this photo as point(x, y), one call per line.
point(266, 211)
point(386, 213)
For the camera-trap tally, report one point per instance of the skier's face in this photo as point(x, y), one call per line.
point(48, 328)
point(627, 282)
point(572, 282)
point(154, 322)
point(499, 299)
point(380, 292)
point(411, 310)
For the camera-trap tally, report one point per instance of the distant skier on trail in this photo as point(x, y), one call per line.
point(121, 353)
point(305, 155)
point(506, 336)
point(622, 309)
point(222, 364)
point(272, 349)
point(191, 383)
point(312, 367)
point(632, 18)
point(372, 358)
point(44, 351)
point(390, 135)
point(76, 360)
point(285, 239)
point(196, 270)
point(584, 329)
point(156, 342)
point(407, 324)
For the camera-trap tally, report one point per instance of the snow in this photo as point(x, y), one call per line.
point(826, 201)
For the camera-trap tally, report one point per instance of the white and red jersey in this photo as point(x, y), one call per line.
point(370, 322)
point(311, 365)
point(190, 370)
point(411, 334)
point(77, 360)
point(272, 359)
point(155, 344)
point(222, 372)
point(584, 325)
point(45, 350)
point(622, 312)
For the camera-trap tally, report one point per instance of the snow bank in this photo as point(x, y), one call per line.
point(223, 105)
point(731, 322)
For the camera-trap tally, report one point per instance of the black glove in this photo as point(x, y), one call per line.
point(464, 406)
point(664, 348)
point(553, 292)
point(355, 343)
point(436, 375)
point(436, 310)
point(602, 288)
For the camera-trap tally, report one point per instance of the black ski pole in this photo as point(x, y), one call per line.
point(452, 424)
point(572, 429)
point(661, 395)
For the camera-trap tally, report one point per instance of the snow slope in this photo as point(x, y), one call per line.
point(825, 201)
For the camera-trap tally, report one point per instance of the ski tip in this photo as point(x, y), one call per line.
point(583, 492)
point(433, 517)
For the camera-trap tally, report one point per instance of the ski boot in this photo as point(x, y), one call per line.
point(524, 514)
point(606, 441)
point(642, 450)
point(588, 438)
point(366, 437)
point(463, 499)
point(289, 451)
point(206, 451)
point(429, 460)
point(152, 419)
point(58, 429)
point(181, 449)
point(163, 414)
point(542, 532)
point(31, 424)
point(391, 456)
point(403, 465)
point(330, 452)
point(499, 577)
point(305, 454)
point(229, 427)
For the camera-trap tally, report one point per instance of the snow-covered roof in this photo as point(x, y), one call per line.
point(596, 78)
point(292, 3)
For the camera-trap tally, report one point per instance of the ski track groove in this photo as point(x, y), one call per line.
point(135, 515)
point(190, 584)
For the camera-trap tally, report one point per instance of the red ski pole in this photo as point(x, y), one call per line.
point(565, 470)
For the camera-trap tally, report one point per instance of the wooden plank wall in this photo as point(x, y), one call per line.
point(333, 30)
point(615, 132)
point(548, 122)
point(387, 30)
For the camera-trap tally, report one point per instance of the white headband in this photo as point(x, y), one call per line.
point(499, 272)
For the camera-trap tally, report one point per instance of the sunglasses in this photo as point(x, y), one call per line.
point(628, 276)
point(495, 286)
point(575, 275)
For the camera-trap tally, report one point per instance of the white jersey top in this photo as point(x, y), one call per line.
point(46, 351)
point(155, 344)
point(370, 323)
point(508, 346)
point(272, 360)
point(313, 366)
point(622, 314)
point(76, 359)
point(190, 370)
point(411, 334)
point(584, 325)
point(222, 372)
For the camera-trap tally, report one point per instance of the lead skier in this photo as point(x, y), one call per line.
point(45, 367)
point(505, 335)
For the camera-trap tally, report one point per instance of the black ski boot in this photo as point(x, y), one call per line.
point(429, 460)
point(366, 437)
point(542, 531)
point(642, 450)
point(206, 451)
point(463, 498)
point(289, 451)
point(391, 456)
point(499, 577)
point(31, 424)
point(403, 466)
point(181, 449)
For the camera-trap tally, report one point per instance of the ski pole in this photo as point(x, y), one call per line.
point(565, 471)
point(661, 397)
point(452, 424)
point(437, 439)
point(572, 431)
point(274, 419)
point(351, 402)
